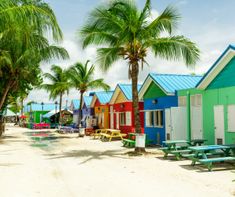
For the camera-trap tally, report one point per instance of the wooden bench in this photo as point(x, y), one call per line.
point(208, 162)
point(108, 136)
point(128, 143)
point(168, 150)
point(97, 133)
point(179, 153)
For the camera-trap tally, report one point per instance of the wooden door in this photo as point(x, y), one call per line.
point(168, 125)
point(219, 124)
point(179, 123)
point(196, 116)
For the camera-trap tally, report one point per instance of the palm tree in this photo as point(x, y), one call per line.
point(124, 32)
point(59, 84)
point(82, 79)
point(23, 26)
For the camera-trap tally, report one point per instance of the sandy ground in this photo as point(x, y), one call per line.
point(81, 167)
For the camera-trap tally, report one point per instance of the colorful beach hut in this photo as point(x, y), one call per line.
point(163, 119)
point(215, 95)
point(35, 111)
point(121, 111)
point(100, 103)
point(87, 112)
point(74, 107)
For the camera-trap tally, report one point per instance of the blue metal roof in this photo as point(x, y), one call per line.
point(39, 107)
point(104, 97)
point(172, 82)
point(8, 112)
point(231, 46)
point(87, 100)
point(76, 103)
point(127, 90)
point(53, 112)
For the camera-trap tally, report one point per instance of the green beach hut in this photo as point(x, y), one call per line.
point(211, 105)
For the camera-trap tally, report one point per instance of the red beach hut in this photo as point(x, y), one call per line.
point(121, 111)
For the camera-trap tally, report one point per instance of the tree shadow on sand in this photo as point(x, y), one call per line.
point(89, 155)
point(9, 164)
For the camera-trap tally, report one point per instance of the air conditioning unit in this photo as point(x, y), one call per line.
point(219, 141)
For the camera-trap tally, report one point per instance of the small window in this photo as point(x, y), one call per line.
point(128, 118)
point(158, 118)
point(182, 101)
point(196, 100)
point(154, 118)
point(122, 119)
point(149, 119)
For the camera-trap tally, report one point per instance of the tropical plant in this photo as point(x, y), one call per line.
point(124, 32)
point(82, 79)
point(59, 84)
point(23, 45)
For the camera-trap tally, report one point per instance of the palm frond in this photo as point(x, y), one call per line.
point(166, 22)
point(175, 48)
point(107, 56)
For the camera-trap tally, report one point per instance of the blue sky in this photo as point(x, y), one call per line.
point(209, 23)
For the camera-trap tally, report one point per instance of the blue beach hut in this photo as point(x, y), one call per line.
point(159, 95)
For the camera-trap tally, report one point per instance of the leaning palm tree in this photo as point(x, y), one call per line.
point(59, 84)
point(82, 79)
point(124, 32)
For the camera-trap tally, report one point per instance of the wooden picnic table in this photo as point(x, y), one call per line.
point(97, 133)
point(130, 140)
point(176, 147)
point(197, 142)
point(111, 133)
point(217, 153)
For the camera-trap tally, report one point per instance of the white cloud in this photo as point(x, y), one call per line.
point(211, 39)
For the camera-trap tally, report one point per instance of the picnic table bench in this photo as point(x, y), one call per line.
point(130, 141)
point(179, 148)
point(218, 153)
point(97, 133)
point(176, 148)
point(110, 134)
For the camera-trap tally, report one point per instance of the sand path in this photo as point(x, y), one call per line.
point(83, 167)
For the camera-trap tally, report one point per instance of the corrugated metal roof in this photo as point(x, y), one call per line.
point(52, 112)
point(87, 100)
point(104, 97)
point(172, 82)
point(127, 90)
point(38, 107)
point(8, 112)
point(76, 103)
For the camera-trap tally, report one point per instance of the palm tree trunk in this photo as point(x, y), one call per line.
point(80, 108)
point(135, 101)
point(60, 108)
point(22, 106)
point(5, 92)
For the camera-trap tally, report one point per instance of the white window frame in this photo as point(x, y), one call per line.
point(122, 118)
point(182, 101)
point(154, 118)
point(196, 100)
point(128, 118)
point(148, 119)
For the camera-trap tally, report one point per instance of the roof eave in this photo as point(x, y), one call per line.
point(216, 68)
